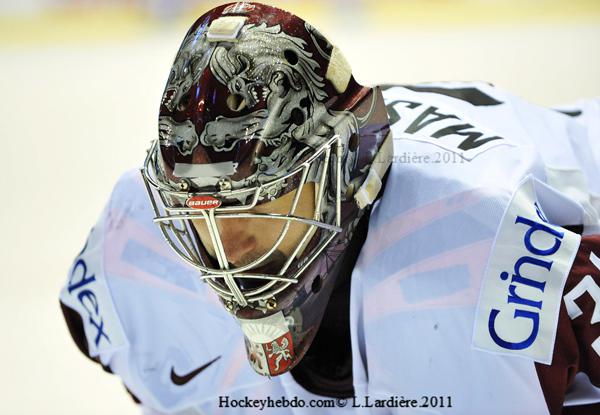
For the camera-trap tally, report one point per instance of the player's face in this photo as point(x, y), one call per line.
point(246, 239)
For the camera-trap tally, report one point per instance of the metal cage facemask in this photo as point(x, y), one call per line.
point(176, 210)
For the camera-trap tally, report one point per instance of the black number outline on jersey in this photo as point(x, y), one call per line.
point(586, 285)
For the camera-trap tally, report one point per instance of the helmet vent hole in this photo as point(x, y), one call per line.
point(290, 56)
point(316, 284)
point(236, 102)
point(297, 116)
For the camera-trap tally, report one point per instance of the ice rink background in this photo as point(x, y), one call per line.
point(81, 83)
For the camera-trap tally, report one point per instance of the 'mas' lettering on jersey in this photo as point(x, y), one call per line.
point(443, 127)
point(86, 291)
point(523, 284)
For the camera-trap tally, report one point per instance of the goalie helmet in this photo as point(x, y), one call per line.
point(260, 108)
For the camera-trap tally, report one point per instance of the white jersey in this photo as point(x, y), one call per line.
point(469, 161)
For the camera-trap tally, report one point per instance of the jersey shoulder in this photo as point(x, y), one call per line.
point(463, 135)
point(86, 297)
point(459, 283)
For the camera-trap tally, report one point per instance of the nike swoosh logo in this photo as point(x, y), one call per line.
point(183, 379)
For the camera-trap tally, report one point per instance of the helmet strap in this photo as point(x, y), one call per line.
point(368, 191)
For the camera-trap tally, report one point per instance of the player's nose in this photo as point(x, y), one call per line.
point(237, 243)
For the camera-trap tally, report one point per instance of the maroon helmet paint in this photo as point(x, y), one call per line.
point(257, 105)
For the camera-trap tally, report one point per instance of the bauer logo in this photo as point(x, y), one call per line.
point(203, 202)
point(522, 288)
